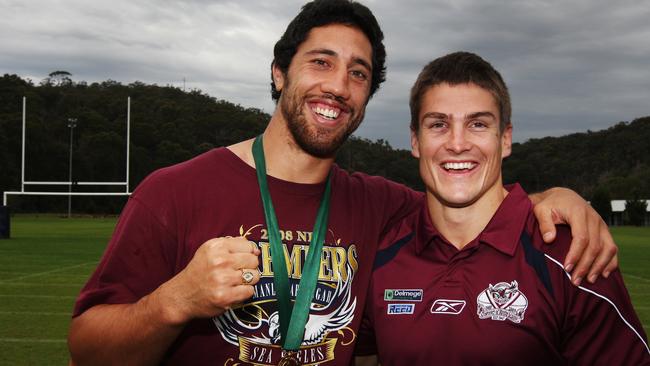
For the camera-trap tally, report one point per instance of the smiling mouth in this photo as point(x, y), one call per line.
point(459, 167)
point(327, 113)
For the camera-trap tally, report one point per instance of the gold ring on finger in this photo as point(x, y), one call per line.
point(247, 277)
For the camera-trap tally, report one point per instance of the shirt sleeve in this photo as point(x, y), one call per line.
point(601, 326)
point(366, 344)
point(400, 201)
point(139, 257)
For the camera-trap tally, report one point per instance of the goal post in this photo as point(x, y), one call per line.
point(4, 210)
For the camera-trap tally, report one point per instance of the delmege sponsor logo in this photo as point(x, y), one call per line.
point(446, 306)
point(403, 295)
point(397, 309)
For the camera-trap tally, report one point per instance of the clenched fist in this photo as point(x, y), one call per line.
point(221, 274)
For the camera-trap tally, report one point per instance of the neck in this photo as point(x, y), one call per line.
point(284, 158)
point(461, 225)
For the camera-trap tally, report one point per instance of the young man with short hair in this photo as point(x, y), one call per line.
point(467, 279)
point(210, 254)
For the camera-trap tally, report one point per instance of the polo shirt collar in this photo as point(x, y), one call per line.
point(502, 232)
point(425, 232)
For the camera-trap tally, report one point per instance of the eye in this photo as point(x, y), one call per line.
point(478, 125)
point(435, 124)
point(360, 75)
point(320, 62)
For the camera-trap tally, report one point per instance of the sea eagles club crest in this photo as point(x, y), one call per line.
point(502, 301)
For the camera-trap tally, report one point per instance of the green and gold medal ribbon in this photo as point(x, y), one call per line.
point(292, 318)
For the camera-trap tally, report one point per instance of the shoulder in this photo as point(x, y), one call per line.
point(182, 173)
point(195, 175)
point(402, 239)
point(372, 185)
point(384, 200)
point(557, 249)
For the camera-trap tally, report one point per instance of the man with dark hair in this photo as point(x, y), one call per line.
point(215, 262)
point(320, 13)
point(467, 278)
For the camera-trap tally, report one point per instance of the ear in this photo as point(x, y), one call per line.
point(278, 77)
point(415, 145)
point(506, 142)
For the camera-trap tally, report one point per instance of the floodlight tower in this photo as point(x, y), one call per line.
point(72, 123)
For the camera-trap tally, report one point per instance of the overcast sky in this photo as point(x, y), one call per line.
point(570, 65)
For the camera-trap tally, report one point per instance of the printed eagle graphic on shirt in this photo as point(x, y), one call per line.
point(336, 315)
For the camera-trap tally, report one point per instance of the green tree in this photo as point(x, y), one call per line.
point(169, 125)
point(601, 202)
point(635, 210)
point(58, 78)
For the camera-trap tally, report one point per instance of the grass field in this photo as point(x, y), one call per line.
point(42, 269)
point(48, 259)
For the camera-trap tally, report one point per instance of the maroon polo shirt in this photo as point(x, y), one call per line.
point(503, 299)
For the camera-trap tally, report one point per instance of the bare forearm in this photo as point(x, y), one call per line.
point(539, 196)
point(123, 334)
point(535, 197)
point(141, 333)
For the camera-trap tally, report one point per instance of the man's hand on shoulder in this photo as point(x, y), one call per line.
point(593, 251)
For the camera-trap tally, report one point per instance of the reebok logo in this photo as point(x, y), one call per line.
point(445, 306)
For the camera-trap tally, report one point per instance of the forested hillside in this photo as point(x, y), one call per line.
point(169, 125)
point(615, 160)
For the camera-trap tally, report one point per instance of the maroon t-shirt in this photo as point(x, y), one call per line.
point(504, 299)
point(176, 209)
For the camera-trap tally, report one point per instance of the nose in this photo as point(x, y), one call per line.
point(337, 83)
point(457, 141)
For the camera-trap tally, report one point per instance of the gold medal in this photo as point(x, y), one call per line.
point(290, 358)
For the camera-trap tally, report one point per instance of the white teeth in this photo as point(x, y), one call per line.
point(458, 166)
point(326, 112)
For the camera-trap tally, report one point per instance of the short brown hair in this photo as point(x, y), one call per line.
point(461, 68)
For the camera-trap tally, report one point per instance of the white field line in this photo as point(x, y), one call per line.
point(32, 340)
point(35, 313)
point(48, 272)
point(637, 277)
point(49, 284)
point(41, 296)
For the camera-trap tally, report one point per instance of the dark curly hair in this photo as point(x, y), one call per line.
point(319, 13)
